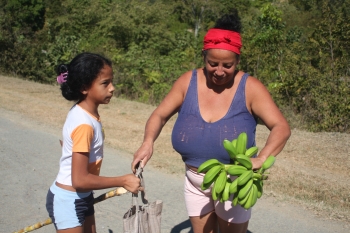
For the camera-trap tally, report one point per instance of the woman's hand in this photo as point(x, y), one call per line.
point(257, 162)
point(142, 155)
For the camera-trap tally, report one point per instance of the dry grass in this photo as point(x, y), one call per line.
point(312, 169)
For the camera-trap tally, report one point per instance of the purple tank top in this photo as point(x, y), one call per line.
point(197, 140)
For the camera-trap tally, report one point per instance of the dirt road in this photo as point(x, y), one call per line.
point(29, 153)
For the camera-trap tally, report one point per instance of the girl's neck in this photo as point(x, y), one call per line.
point(90, 108)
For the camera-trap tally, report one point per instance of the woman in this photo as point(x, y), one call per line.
point(214, 103)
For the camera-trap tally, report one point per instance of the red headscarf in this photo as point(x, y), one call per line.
point(223, 39)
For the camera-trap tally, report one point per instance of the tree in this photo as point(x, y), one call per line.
point(19, 21)
point(329, 45)
point(267, 35)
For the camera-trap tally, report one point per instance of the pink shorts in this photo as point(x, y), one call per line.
point(200, 202)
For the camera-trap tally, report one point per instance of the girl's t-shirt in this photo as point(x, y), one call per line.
point(82, 132)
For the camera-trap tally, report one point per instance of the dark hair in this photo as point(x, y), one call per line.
point(230, 22)
point(82, 71)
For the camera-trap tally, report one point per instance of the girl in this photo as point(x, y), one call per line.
point(87, 80)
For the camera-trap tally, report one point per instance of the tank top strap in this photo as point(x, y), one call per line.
point(192, 88)
point(193, 81)
point(239, 101)
point(244, 78)
point(240, 93)
point(190, 103)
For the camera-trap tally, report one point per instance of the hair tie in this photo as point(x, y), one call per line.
point(62, 77)
point(223, 39)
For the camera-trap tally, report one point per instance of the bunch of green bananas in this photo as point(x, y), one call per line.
point(248, 186)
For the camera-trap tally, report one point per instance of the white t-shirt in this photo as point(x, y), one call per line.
point(82, 132)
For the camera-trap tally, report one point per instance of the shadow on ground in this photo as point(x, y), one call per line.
point(181, 226)
point(184, 225)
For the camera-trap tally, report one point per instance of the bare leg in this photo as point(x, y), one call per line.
point(226, 227)
point(72, 230)
point(205, 224)
point(88, 227)
point(89, 224)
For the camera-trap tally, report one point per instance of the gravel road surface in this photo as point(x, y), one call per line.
point(30, 153)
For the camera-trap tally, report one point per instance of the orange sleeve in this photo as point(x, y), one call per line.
point(82, 137)
point(94, 167)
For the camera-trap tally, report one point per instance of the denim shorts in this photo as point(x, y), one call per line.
point(199, 202)
point(68, 209)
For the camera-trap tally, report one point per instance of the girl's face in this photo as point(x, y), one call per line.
point(220, 66)
point(101, 90)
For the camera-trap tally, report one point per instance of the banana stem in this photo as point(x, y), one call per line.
point(227, 166)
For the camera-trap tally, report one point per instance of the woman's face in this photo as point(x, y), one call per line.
point(220, 65)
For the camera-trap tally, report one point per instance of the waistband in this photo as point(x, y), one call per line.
point(188, 169)
point(57, 190)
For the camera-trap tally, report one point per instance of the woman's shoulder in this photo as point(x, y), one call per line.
point(184, 80)
point(253, 82)
point(186, 76)
point(255, 88)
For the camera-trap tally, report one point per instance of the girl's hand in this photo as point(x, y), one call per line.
point(132, 183)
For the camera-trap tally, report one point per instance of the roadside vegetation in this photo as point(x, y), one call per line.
point(299, 49)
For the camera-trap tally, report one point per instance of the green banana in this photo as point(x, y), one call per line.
point(235, 200)
point(205, 186)
point(259, 187)
point(234, 143)
point(241, 143)
point(236, 170)
point(249, 201)
point(245, 177)
point(243, 201)
point(226, 191)
point(269, 162)
point(233, 186)
point(244, 160)
point(231, 150)
point(214, 195)
point(257, 176)
point(227, 166)
point(245, 190)
point(251, 151)
point(255, 195)
point(211, 175)
point(218, 196)
point(220, 181)
point(205, 166)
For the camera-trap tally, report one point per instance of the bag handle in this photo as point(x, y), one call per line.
point(143, 194)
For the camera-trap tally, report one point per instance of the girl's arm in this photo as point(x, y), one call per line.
point(82, 180)
point(167, 108)
point(261, 104)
